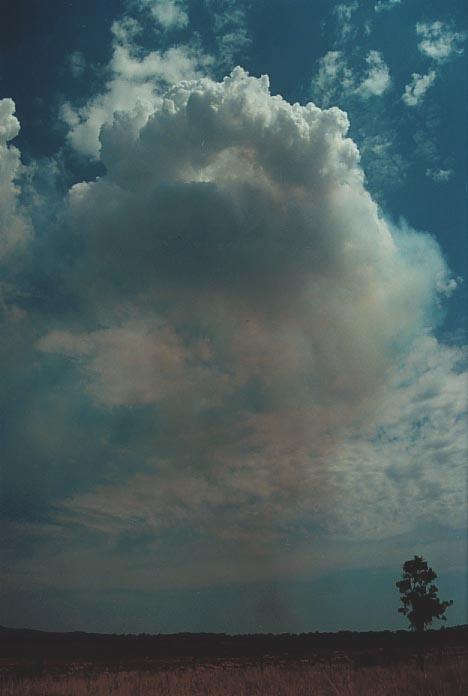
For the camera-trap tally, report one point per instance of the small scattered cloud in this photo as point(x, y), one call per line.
point(439, 41)
point(384, 165)
point(77, 64)
point(169, 14)
point(417, 88)
point(386, 5)
point(377, 80)
point(335, 80)
point(439, 175)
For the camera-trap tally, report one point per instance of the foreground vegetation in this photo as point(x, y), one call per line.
point(439, 679)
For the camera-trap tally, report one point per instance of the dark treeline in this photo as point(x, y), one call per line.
point(383, 645)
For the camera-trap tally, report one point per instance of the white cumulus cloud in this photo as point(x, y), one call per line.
point(135, 84)
point(15, 228)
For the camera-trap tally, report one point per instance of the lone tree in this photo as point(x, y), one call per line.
point(419, 595)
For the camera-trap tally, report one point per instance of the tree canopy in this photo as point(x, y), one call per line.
point(419, 595)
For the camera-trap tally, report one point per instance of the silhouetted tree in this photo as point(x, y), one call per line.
point(419, 595)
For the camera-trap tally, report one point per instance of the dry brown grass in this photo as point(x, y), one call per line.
point(449, 679)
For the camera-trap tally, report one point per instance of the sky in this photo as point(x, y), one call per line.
point(233, 268)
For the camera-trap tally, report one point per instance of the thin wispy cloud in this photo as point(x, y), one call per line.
point(386, 5)
point(439, 175)
point(344, 15)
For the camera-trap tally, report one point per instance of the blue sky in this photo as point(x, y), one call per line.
point(232, 307)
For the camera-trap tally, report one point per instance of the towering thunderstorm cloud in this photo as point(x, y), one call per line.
point(235, 264)
point(235, 290)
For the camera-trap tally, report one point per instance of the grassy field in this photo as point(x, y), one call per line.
point(443, 679)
